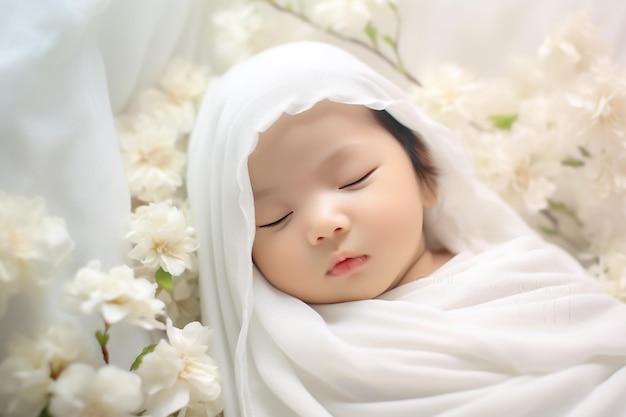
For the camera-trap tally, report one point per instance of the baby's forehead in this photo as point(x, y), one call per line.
point(324, 114)
point(318, 139)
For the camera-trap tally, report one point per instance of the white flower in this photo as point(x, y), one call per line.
point(84, 391)
point(175, 112)
point(162, 237)
point(32, 245)
point(116, 296)
point(346, 16)
point(184, 80)
point(180, 373)
point(32, 364)
point(610, 269)
point(202, 409)
point(153, 164)
point(243, 30)
point(539, 113)
point(520, 174)
point(235, 28)
point(598, 103)
point(607, 173)
point(446, 94)
point(572, 48)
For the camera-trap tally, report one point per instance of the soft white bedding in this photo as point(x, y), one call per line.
point(517, 330)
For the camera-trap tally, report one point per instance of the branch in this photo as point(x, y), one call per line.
point(398, 66)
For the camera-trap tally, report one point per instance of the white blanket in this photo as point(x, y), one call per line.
point(511, 326)
point(518, 330)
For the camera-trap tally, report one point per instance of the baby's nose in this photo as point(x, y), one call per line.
point(327, 226)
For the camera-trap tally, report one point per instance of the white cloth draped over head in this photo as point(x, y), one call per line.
point(511, 325)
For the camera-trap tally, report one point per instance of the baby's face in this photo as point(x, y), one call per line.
point(338, 206)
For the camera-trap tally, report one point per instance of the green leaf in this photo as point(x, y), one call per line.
point(571, 162)
point(139, 358)
point(503, 121)
point(164, 279)
point(390, 41)
point(559, 206)
point(103, 338)
point(584, 152)
point(563, 208)
point(372, 33)
point(402, 70)
point(393, 6)
point(45, 412)
point(548, 231)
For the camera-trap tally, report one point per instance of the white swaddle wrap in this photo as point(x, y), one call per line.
point(511, 325)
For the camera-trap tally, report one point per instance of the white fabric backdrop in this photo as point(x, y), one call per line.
point(66, 66)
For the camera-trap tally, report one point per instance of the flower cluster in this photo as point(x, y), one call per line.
point(57, 373)
point(348, 17)
point(153, 133)
point(179, 375)
point(32, 245)
point(550, 138)
point(116, 296)
point(28, 374)
point(153, 137)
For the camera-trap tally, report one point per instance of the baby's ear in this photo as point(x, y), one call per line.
point(428, 176)
point(429, 192)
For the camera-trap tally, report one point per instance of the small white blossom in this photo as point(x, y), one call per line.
point(154, 165)
point(610, 269)
point(106, 392)
point(162, 237)
point(509, 165)
point(180, 373)
point(175, 112)
point(243, 30)
point(32, 245)
point(348, 17)
point(539, 113)
point(572, 48)
point(607, 173)
point(32, 365)
point(116, 296)
point(202, 409)
point(184, 80)
point(598, 109)
point(446, 94)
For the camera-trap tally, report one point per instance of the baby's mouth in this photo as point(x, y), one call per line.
point(345, 265)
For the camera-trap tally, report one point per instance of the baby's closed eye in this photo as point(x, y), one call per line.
point(358, 181)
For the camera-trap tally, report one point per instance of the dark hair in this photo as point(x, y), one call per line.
point(414, 147)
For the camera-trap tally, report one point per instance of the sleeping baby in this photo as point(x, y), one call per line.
point(352, 264)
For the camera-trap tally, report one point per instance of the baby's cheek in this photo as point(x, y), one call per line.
point(276, 256)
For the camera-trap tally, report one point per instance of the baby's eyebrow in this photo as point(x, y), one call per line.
point(330, 161)
point(339, 155)
point(263, 193)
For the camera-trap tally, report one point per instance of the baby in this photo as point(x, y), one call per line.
point(353, 265)
point(339, 192)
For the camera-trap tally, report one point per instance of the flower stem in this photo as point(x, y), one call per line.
point(396, 50)
point(398, 65)
point(103, 339)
